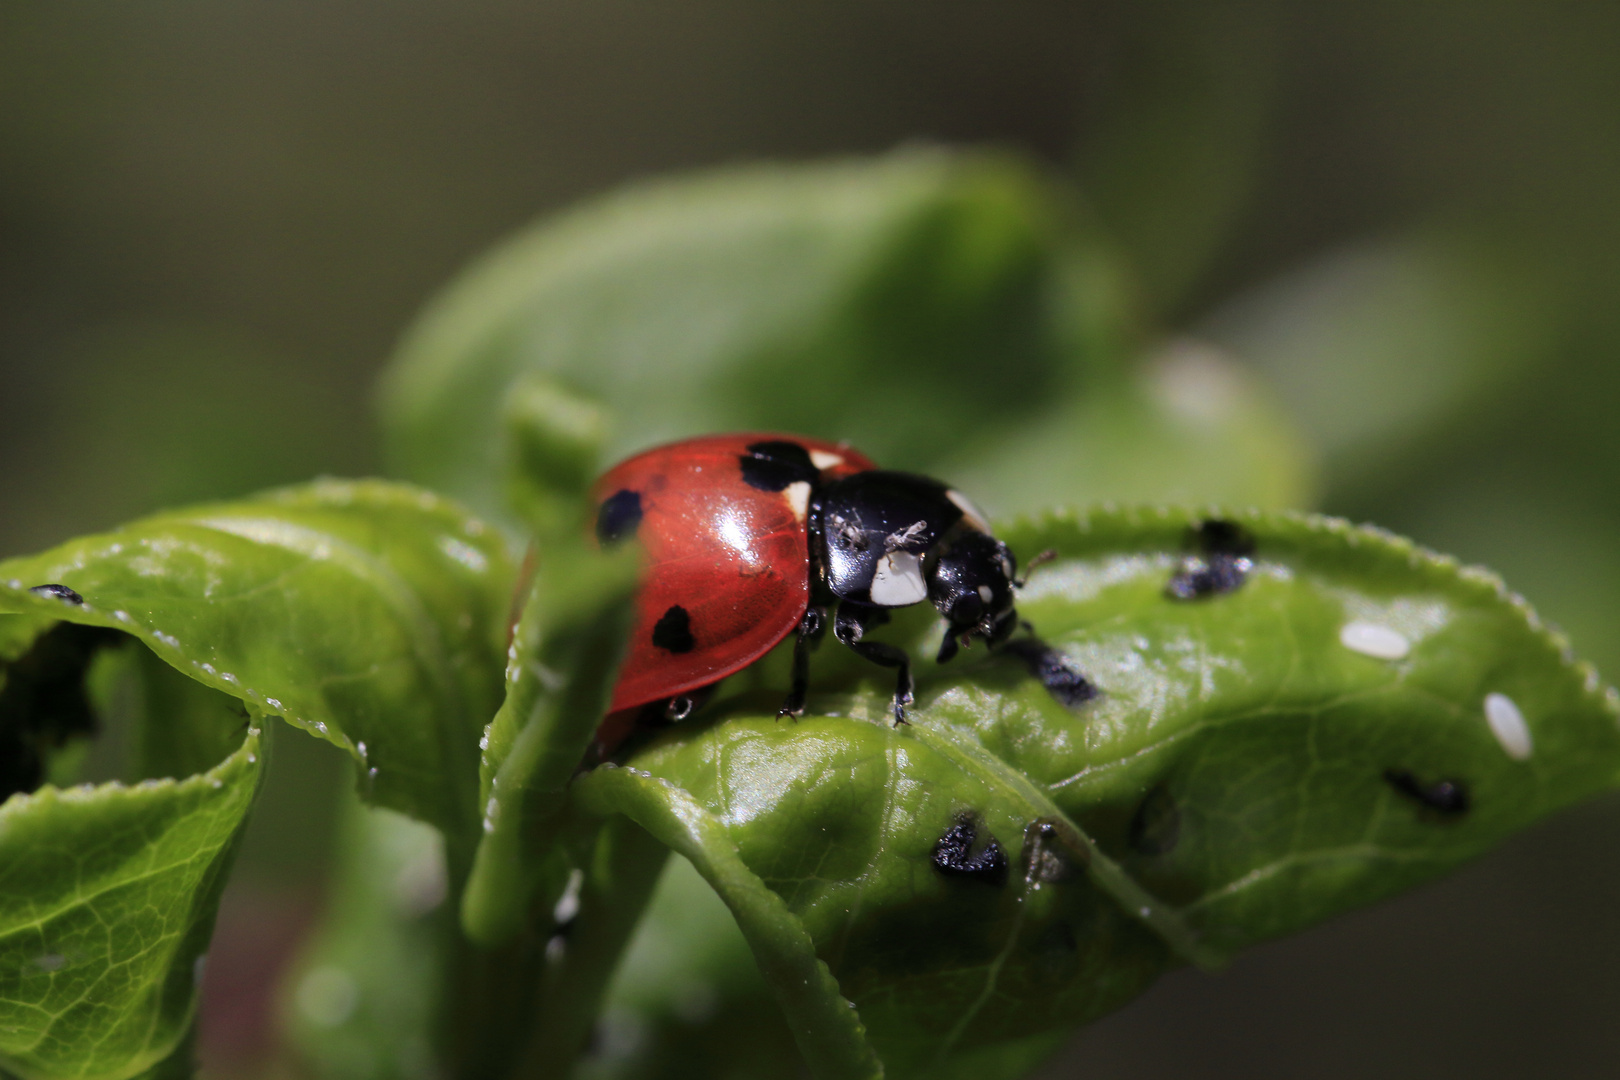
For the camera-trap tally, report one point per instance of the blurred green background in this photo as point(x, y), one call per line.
point(217, 218)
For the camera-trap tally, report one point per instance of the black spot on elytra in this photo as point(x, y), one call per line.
point(954, 855)
point(43, 704)
point(772, 466)
point(59, 592)
point(618, 516)
point(1448, 798)
point(1225, 557)
point(1055, 671)
point(1156, 825)
point(673, 631)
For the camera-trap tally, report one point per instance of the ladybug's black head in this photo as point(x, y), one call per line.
point(972, 586)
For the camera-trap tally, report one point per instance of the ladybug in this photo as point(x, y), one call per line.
point(752, 537)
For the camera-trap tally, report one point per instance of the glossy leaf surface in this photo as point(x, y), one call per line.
point(369, 614)
point(108, 893)
point(1257, 761)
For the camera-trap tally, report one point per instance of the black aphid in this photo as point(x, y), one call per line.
point(954, 855)
point(1448, 798)
point(1052, 852)
point(59, 592)
point(1225, 555)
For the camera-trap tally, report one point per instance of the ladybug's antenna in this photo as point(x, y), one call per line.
point(1044, 557)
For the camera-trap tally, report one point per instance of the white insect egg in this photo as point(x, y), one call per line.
point(1507, 724)
point(1374, 640)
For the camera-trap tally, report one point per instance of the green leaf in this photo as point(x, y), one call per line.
point(107, 901)
point(1253, 765)
point(828, 1032)
point(1191, 427)
point(804, 298)
point(370, 614)
point(947, 313)
point(1385, 350)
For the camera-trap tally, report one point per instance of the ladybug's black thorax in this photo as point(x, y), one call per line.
point(872, 533)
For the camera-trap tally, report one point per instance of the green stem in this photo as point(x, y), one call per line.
point(565, 654)
point(618, 883)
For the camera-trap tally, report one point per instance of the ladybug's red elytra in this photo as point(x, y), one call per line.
point(752, 537)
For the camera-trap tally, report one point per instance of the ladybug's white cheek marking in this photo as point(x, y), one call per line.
point(972, 514)
point(1371, 639)
point(1507, 724)
point(798, 497)
point(825, 459)
point(898, 580)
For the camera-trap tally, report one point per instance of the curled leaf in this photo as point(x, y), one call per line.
point(369, 614)
point(107, 902)
point(1296, 717)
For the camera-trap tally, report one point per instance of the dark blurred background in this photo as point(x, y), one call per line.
point(216, 219)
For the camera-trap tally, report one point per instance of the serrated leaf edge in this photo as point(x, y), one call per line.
point(1482, 581)
point(22, 802)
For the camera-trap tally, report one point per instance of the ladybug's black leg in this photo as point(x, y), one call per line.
point(810, 630)
point(851, 625)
